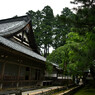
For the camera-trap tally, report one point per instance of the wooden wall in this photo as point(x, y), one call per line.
point(18, 70)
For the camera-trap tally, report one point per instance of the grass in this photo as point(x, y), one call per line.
point(58, 93)
point(88, 90)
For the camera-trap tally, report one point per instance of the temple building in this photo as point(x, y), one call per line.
point(20, 61)
point(21, 64)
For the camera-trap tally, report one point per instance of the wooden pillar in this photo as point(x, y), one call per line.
point(30, 74)
point(62, 75)
point(18, 76)
point(2, 75)
point(57, 75)
point(1, 85)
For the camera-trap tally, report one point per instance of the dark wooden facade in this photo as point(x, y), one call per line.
point(20, 62)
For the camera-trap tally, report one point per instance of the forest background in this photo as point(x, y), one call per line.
point(71, 35)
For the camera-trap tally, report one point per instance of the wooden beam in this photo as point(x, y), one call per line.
point(19, 54)
point(10, 62)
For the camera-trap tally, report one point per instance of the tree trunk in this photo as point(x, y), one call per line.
point(92, 71)
point(45, 51)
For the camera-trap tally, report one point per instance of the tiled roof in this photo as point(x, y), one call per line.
point(11, 27)
point(20, 48)
point(56, 65)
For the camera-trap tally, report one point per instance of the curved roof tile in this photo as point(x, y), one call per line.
point(20, 48)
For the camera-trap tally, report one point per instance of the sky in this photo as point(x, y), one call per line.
point(11, 8)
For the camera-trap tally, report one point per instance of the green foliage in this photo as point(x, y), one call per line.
point(49, 30)
point(75, 56)
point(90, 42)
point(72, 35)
point(49, 67)
point(67, 55)
point(85, 3)
point(85, 25)
point(42, 22)
point(59, 56)
point(62, 26)
point(85, 16)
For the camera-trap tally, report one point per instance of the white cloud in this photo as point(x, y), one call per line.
point(10, 8)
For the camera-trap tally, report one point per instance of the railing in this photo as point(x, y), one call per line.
point(10, 78)
point(20, 83)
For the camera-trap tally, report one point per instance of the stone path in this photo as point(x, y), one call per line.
point(39, 91)
point(47, 90)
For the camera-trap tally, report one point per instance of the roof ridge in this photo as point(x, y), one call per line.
point(18, 18)
point(12, 25)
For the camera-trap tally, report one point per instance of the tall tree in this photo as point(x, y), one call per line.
point(71, 56)
point(85, 25)
point(36, 18)
point(42, 22)
point(47, 26)
point(62, 27)
point(81, 44)
point(85, 16)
